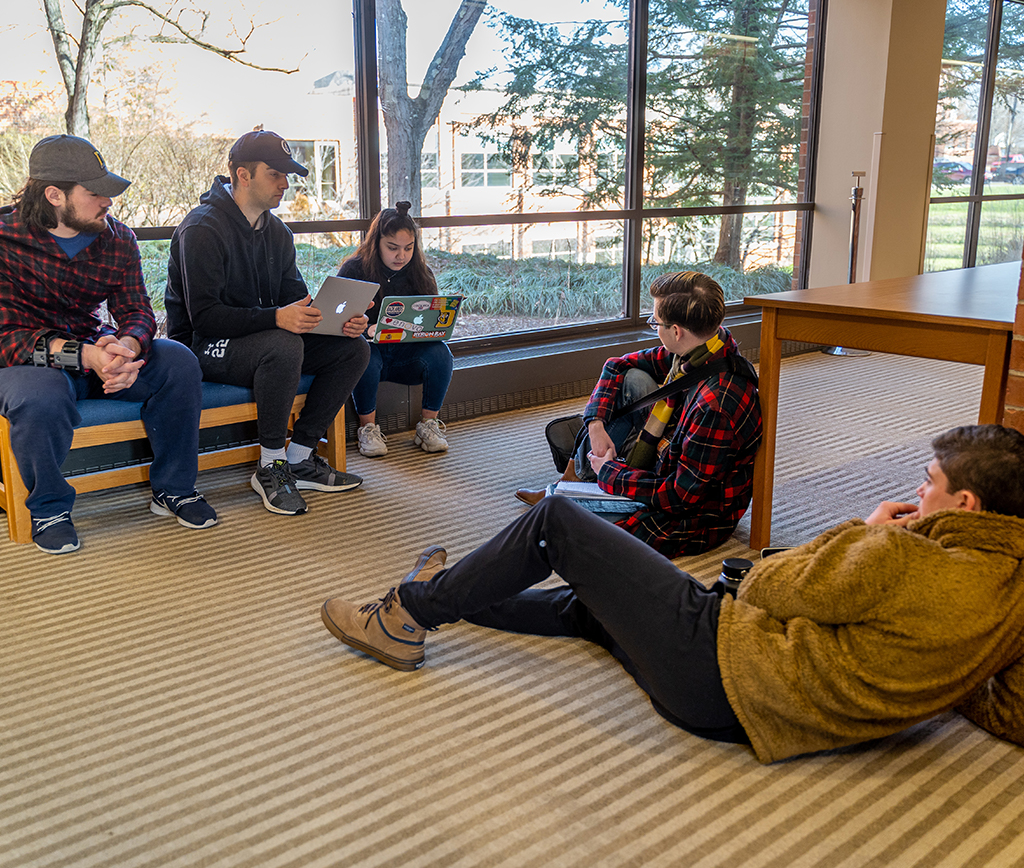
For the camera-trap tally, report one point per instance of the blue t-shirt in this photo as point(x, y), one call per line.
point(75, 245)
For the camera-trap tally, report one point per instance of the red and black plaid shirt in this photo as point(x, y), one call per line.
point(41, 290)
point(701, 484)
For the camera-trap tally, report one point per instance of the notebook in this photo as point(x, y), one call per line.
point(416, 318)
point(339, 299)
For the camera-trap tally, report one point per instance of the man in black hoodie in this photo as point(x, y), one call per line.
point(235, 295)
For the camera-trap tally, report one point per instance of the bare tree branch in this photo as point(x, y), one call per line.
point(76, 58)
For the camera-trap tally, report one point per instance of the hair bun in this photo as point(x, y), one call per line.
point(402, 207)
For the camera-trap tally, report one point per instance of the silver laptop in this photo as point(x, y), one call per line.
point(339, 299)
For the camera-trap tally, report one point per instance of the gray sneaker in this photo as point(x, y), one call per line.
point(372, 442)
point(430, 436)
point(276, 485)
point(316, 474)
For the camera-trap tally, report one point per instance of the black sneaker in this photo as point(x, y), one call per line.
point(276, 485)
point(191, 511)
point(316, 474)
point(55, 535)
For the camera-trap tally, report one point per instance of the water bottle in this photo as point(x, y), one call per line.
point(733, 571)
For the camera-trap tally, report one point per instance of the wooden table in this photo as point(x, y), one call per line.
point(960, 316)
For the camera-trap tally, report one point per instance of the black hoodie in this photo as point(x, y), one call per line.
point(224, 278)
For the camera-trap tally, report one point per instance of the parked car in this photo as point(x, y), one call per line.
point(950, 171)
point(1011, 171)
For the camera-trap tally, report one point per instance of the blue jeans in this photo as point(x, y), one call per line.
point(657, 621)
point(41, 406)
point(623, 431)
point(409, 364)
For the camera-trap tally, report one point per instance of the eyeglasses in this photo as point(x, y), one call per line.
point(654, 324)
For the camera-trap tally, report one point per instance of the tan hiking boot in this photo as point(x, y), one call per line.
point(428, 565)
point(382, 629)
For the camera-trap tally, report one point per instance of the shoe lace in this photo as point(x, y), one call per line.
point(436, 425)
point(45, 523)
point(384, 603)
point(280, 472)
point(177, 502)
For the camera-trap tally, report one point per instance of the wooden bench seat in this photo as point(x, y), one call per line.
point(105, 422)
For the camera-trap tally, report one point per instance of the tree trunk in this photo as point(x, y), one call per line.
point(407, 121)
point(739, 141)
point(730, 230)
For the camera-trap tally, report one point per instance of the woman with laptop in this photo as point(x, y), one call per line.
point(391, 256)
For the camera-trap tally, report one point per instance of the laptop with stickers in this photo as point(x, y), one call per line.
point(339, 299)
point(414, 318)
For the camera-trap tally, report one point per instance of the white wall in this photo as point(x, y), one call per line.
point(882, 63)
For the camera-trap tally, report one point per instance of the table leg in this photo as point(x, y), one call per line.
point(993, 386)
point(764, 463)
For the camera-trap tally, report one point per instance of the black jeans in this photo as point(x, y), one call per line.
point(658, 621)
point(271, 362)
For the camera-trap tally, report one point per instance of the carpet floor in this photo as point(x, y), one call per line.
point(170, 698)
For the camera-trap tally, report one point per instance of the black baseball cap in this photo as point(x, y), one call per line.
point(264, 146)
point(69, 158)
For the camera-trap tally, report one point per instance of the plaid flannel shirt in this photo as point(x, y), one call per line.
point(702, 481)
point(41, 290)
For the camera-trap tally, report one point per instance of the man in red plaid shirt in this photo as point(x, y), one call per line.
point(61, 257)
point(687, 462)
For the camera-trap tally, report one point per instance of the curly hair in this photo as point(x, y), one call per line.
point(987, 460)
point(690, 299)
point(387, 223)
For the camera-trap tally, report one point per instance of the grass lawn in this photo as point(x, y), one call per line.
point(1002, 229)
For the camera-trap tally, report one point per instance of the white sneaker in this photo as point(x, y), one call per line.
point(430, 436)
point(372, 443)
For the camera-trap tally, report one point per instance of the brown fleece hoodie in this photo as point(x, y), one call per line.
point(870, 629)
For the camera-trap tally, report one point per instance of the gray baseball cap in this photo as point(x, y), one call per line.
point(69, 158)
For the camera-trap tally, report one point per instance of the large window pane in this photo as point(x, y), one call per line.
point(532, 118)
point(1005, 156)
point(956, 120)
point(966, 55)
point(1002, 232)
point(725, 82)
point(685, 244)
point(533, 276)
point(947, 228)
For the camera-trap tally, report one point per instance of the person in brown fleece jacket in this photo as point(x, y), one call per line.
point(872, 627)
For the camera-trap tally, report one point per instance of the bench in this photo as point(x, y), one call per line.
point(106, 422)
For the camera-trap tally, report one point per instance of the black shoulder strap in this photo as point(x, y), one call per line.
point(734, 363)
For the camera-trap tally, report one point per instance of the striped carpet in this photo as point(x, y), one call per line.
point(170, 698)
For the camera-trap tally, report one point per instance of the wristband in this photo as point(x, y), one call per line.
point(40, 355)
point(41, 351)
point(69, 357)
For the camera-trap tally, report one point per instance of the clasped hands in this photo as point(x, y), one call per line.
point(114, 361)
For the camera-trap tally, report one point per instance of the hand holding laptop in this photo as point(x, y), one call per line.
point(298, 317)
point(343, 303)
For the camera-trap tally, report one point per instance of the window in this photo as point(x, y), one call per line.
point(552, 168)
point(484, 170)
point(429, 176)
point(490, 142)
point(976, 213)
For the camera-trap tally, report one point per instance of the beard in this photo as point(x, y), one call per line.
point(73, 220)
